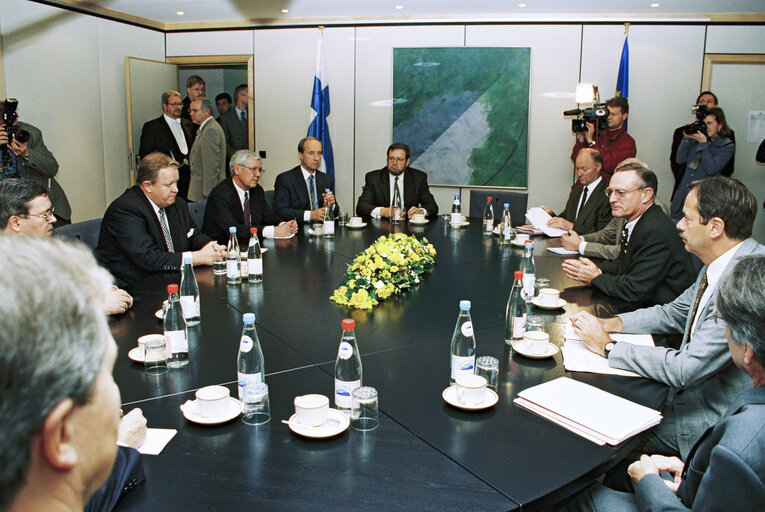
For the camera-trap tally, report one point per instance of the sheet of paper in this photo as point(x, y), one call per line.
point(562, 251)
point(578, 358)
point(636, 339)
point(156, 440)
point(538, 218)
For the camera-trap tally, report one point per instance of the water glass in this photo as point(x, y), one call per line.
point(342, 220)
point(365, 415)
point(219, 267)
point(541, 282)
point(535, 323)
point(488, 368)
point(256, 408)
point(155, 357)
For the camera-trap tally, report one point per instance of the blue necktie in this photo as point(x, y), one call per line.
point(313, 192)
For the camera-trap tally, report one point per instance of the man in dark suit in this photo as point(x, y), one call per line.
point(379, 187)
point(235, 124)
point(195, 89)
point(239, 201)
point(148, 229)
point(587, 209)
point(300, 192)
point(172, 135)
point(652, 267)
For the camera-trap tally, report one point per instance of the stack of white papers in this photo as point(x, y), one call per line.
point(588, 411)
point(578, 358)
point(538, 218)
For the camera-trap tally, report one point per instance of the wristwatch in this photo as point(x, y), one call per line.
point(609, 346)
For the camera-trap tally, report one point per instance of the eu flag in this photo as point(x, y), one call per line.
point(622, 81)
point(320, 111)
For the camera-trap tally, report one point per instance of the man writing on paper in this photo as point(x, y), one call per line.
point(725, 468)
point(716, 226)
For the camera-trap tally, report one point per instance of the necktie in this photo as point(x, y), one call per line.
point(395, 189)
point(702, 286)
point(247, 208)
point(584, 200)
point(244, 116)
point(625, 239)
point(313, 192)
point(166, 230)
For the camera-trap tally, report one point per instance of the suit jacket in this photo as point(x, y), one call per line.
point(605, 243)
point(127, 472)
point(701, 374)
point(596, 212)
point(235, 131)
point(376, 192)
point(291, 194)
point(655, 268)
point(131, 244)
point(207, 160)
point(157, 136)
point(224, 210)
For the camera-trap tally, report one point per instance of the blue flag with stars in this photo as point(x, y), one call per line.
point(320, 112)
point(622, 81)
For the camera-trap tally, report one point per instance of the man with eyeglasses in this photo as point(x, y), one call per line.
point(208, 154)
point(172, 135)
point(652, 267)
point(240, 202)
point(380, 185)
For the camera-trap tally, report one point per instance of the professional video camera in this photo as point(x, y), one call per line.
point(698, 125)
point(597, 115)
point(9, 117)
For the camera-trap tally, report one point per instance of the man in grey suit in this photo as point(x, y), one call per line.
point(208, 154)
point(718, 217)
point(234, 123)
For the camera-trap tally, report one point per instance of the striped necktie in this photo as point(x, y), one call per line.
point(312, 189)
point(702, 287)
point(166, 230)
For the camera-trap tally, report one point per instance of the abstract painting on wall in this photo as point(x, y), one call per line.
point(464, 113)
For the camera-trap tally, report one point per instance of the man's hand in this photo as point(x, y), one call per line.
point(560, 223)
point(317, 215)
point(386, 212)
point(582, 269)
point(132, 429)
point(117, 301)
point(587, 136)
point(591, 331)
point(571, 240)
point(640, 468)
point(207, 254)
point(286, 228)
point(671, 465)
point(328, 195)
point(548, 211)
point(415, 210)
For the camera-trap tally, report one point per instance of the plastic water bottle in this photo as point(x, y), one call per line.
point(250, 368)
point(189, 293)
point(528, 269)
point(463, 344)
point(347, 367)
point(395, 217)
point(506, 226)
point(233, 259)
point(254, 258)
point(515, 316)
point(456, 210)
point(488, 217)
point(329, 217)
point(176, 339)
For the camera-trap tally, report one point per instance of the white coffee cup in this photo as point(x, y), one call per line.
point(146, 337)
point(355, 221)
point(311, 410)
point(536, 341)
point(549, 296)
point(521, 237)
point(471, 389)
point(212, 401)
point(418, 217)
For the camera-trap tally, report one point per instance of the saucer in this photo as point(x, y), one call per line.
point(520, 347)
point(419, 223)
point(189, 410)
point(538, 303)
point(450, 397)
point(518, 243)
point(136, 354)
point(337, 422)
point(160, 314)
point(356, 226)
point(316, 232)
point(460, 224)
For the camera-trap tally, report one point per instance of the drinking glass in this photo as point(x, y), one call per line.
point(219, 267)
point(256, 407)
point(343, 219)
point(541, 282)
point(155, 358)
point(488, 367)
point(365, 415)
point(535, 323)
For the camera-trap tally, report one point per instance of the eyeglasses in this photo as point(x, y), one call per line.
point(176, 104)
point(620, 193)
point(253, 169)
point(46, 215)
point(396, 159)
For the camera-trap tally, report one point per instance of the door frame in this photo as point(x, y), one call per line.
point(710, 59)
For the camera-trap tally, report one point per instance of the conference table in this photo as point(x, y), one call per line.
point(426, 454)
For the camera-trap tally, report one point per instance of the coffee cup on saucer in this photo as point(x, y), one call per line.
point(549, 296)
point(354, 221)
point(311, 410)
point(536, 342)
point(418, 218)
point(521, 238)
point(212, 401)
point(471, 389)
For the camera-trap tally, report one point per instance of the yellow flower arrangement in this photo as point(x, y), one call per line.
point(388, 266)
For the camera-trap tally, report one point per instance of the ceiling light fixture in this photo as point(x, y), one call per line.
point(285, 11)
point(521, 5)
point(655, 4)
point(180, 13)
point(399, 7)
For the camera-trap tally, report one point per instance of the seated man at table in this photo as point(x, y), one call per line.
point(379, 186)
point(147, 229)
point(25, 209)
point(60, 406)
point(587, 209)
point(240, 202)
point(652, 267)
point(725, 468)
point(717, 223)
point(299, 194)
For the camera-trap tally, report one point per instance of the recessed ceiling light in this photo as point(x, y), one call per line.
point(285, 11)
point(180, 13)
point(655, 4)
point(521, 5)
point(399, 7)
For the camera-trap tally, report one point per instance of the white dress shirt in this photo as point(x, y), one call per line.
point(180, 139)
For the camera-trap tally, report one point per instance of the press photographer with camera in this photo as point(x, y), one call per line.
point(607, 136)
point(705, 150)
point(23, 155)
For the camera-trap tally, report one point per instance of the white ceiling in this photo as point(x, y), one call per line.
point(268, 12)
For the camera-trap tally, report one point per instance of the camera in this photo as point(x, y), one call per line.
point(597, 115)
point(698, 125)
point(9, 117)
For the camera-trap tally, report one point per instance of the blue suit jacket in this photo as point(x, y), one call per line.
point(127, 472)
point(291, 194)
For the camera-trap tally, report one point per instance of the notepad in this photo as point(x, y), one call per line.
point(578, 358)
point(538, 218)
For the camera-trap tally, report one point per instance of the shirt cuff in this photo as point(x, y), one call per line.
point(582, 245)
point(307, 216)
point(268, 231)
point(376, 212)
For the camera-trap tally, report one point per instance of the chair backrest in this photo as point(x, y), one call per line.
point(519, 202)
point(197, 211)
point(86, 232)
point(269, 197)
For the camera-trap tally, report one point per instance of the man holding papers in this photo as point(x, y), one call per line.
point(725, 469)
point(718, 217)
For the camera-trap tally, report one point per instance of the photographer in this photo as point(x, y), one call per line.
point(614, 144)
point(705, 150)
point(23, 155)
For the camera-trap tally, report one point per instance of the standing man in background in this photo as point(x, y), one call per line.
point(235, 125)
point(208, 154)
point(195, 89)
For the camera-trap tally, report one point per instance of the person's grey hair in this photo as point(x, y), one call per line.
point(205, 104)
point(646, 176)
point(169, 94)
point(741, 303)
point(240, 158)
point(15, 195)
point(53, 336)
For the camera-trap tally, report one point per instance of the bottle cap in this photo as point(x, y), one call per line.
point(488, 198)
point(326, 191)
point(253, 230)
point(464, 305)
point(187, 260)
point(518, 274)
point(232, 229)
point(507, 205)
point(348, 324)
point(529, 243)
point(172, 288)
point(248, 318)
